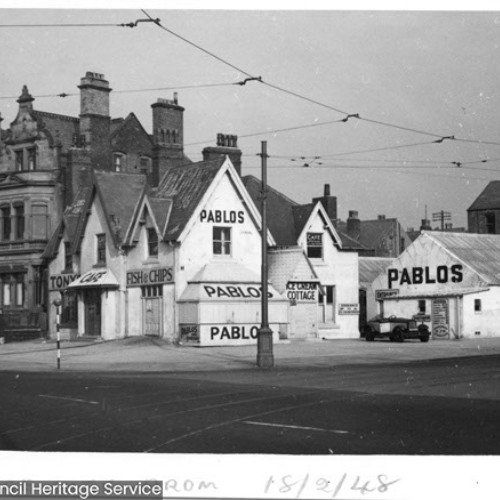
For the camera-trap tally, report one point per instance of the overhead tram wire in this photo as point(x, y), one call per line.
point(308, 99)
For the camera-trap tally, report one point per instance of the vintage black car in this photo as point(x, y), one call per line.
point(396, 329)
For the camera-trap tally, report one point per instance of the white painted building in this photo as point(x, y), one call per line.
point(451, 281)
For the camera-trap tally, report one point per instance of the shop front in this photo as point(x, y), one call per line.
point(227, 314)
point(97, 296)
point(440, 281)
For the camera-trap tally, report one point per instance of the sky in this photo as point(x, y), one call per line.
point(413, 77)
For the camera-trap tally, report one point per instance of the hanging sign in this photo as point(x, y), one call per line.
point(386, 294)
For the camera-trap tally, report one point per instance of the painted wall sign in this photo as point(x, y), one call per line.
point(440, 326)
point(425, 275)
point(61, 281)
point(223, 216)
point(386, 294)
point(314, 239)
point(348, 308)
point(234, 291)
point(234, 332)
point(302, 291)
point(92, 276)
point(423, 318)
point(190, 333)
point(154, 276)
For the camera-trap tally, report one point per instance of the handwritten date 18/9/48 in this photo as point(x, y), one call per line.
point(294, 486)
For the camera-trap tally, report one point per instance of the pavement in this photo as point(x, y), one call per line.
point(149, 354)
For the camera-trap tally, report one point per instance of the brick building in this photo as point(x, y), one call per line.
point(46, 159)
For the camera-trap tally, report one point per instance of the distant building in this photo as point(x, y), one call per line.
point(483, 216)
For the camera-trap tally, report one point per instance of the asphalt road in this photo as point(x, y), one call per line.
point(448, 406)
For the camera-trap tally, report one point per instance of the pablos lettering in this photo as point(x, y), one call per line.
point(425, 275)
point(223, 216)
point(235, 292)
point(233, 332)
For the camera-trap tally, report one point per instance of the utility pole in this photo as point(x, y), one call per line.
point(265, 358)
point(442, 217)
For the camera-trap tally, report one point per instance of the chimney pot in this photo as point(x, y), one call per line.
point(353, 214)
point(381, 217)
point(327, 189)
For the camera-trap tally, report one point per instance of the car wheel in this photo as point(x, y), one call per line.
point(424, 339)
point(397, 335)
point(370, 337)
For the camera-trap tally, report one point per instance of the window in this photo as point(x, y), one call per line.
point(32, 159)
point(68, 258)
point(421, 306)
point(151, 291)
point(101, 249)
point(39, 219)
point(145, 165)
point(222, 240)
point(490, 222)
point(477, 305)
point(315, 245)
point(19, 221)
point(69, 309)
point(152, 242)
point(12, 290)
point(19, 160)
point(6, 223)
point(118, 162)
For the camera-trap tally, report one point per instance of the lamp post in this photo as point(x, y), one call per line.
point(265, 358)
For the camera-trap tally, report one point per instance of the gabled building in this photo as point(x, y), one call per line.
point(450, 281)
point(181, 261)
point(483, 216)
point(47, 159)
point(310, 229)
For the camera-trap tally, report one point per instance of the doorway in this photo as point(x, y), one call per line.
point(92, 299)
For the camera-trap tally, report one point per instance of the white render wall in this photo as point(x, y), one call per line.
point(339, 269)
point(486, 322)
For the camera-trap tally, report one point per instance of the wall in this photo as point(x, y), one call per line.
point(486, 322)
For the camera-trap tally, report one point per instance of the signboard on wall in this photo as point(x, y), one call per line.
point(150, 276)
point(190, 333)
point(61, 281)
point(314, 239)
point(440, 323)
point(348, 308)
point(302, 291)
point(386, 294)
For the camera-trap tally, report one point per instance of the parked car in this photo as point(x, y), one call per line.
point(396, 329)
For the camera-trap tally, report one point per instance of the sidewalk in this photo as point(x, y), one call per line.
point(145, 354)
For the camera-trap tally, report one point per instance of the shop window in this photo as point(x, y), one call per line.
point(68, 258)
point(6, 222)
point(101, 249)
point(19, 221)
point(477, 305)
point(19, 160)
point(315, 245)
point(152, 242)
point(31, 159)
point(39, 222)
point(421, 306)
point(490, 222)
point(222, 240)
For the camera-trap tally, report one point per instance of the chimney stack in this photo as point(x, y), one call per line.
point(329, 203)
point(168, 136)
point(353, 225)
point(426, 225)
point(227, 145)
point(94, 118)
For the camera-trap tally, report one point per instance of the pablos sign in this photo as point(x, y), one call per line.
point(153, 276)
point(427, 275)
point(234, 292)
point(231, 334)
point(223, 216)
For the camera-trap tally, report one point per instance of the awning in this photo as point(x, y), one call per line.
point(95, 279)
point(227, 292)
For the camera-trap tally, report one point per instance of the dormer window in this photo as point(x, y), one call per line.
point(31, 159)
point(152, 242)
point(315, 245)
point(19, 160)
point(145, 164)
